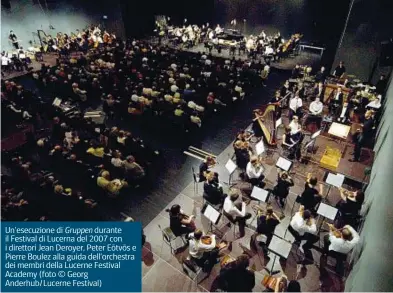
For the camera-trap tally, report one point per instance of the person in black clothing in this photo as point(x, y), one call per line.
point(242, 154)
point(349, 206)
point(266, 224)
point(281, 190)
point(362, 137)
point(311, 195)
point(294, 286)
point(213, 192)
point(180, 223)
point(340, 70)
point(235, 277)
point(204, 168)
point(381, 85)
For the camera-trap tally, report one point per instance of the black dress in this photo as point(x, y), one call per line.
point(177, 227)
point(236, 280)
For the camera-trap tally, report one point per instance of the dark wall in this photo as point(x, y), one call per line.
point(139, 15)
point(369, 24)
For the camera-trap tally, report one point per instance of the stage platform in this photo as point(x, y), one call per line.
point(162, 271)
point(303, 58)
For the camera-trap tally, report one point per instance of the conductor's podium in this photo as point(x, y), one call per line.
point(330, 159)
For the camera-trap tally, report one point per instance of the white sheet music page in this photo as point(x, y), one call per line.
point(259, 194)
point(278, 122)
point(283, 164)
point(211, 214)
point(335, 180)
point(230, 166)
point(260, 148)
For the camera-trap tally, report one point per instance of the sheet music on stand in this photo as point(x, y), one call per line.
point(284, 164)
point(278, 122)
point(335, 180)
point(259, 194)
point(260, 147)
point(212, 214)
point(230, 166)
point(309, 144)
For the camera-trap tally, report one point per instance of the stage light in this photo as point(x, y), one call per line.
point(105, 17)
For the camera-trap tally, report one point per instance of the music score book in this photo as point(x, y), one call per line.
point(284, 164)
point(212, 214)
point(335, 180)
point(259, 194)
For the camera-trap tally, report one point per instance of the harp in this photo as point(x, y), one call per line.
point(266, 122)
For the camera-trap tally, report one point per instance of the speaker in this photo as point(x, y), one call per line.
point(386, 57)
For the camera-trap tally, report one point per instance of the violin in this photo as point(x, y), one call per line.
point(336, 232)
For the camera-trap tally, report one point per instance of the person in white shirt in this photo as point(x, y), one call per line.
point(303, 228)
point(200, 251)
point(338, 243)
point(296, 129)
point(254, 171)
point(236, 213)
point(295, 106)
point(315, 108)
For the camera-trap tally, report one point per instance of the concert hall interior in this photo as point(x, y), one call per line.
point(252, 138)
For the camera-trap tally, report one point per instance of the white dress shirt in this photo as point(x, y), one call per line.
point(231, 209)
point(295, 127)
point(253, 172)
point(343, 246)
point(269, 51)
point(300, 226)
point(174, 88)
point(117, 162)
point(316, 107)
point(197, 248)
point(295, 103)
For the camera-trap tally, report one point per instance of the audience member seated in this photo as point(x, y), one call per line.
point(180, 223)
point(255, 171)
point(281, 190)
point(236, 212)
point(213, 191)
point(113, 187)
point(236, 276)
point(134, 172)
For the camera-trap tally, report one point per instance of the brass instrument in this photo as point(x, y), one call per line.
point(200, 154)
point(267, 123)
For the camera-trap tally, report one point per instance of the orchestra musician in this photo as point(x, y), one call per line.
point(290, 144)
point(339, 242)
point(285, 89)
point(14, 40)
point(303, 227)
point(242, 153)
point(180, 223)
point(234, 213)
point(284, 183)
point(315, 112)
point(295, 107)
point(267, 222)
point(213, 192)
point(203, 248)
point(349, 206)
point(363, 136)
point(311, 195)
point(276, 101)
point(254, 171)
point(320, 76)
point(336, 102)
point(296, 72)
point(208, 163)
point(296, 129)
point(340, 70)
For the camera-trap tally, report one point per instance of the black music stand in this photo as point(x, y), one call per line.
point(212, 215)
point(279, 247)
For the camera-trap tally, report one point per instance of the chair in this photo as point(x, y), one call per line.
point(194, 271)
point(171, 239)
